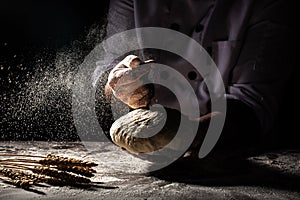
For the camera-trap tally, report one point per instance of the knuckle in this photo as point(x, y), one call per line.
point(131, 61)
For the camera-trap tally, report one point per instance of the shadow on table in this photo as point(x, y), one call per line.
point(235, 172)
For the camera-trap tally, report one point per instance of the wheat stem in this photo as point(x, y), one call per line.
point(50, 169)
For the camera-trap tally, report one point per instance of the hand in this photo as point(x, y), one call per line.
point(126, 82)
point(204, 122)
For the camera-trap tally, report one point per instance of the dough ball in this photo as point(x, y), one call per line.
point(144, 131)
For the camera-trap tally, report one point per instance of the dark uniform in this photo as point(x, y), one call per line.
point(251, 42)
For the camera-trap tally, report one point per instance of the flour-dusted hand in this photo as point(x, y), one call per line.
point(127, 82)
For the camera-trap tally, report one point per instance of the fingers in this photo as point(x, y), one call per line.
point(127, 84)
point(134, 98)
point(130, 76)
point(141, 97)
point(120, 69)
point(131, 61)
point(123, 72)
point(208, 116)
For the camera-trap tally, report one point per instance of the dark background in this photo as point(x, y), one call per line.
point(31, 34)
point(51, 23)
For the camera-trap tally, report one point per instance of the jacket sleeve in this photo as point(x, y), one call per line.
point(120, 18)
point(265, 63)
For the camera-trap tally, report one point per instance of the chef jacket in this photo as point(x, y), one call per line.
point(251, 42)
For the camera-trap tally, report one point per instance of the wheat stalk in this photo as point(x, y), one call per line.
point(60, 175)
point(28, 170)
point(58, 160)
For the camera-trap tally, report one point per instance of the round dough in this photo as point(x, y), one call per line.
point(144, 131)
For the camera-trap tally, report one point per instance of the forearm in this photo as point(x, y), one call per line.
point(240, 134)
point(103, 104)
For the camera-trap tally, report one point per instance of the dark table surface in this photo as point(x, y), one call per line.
point(272, 175)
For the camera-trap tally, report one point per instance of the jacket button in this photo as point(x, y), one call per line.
point(192, 75)
point(199, 28)
point(175, 27)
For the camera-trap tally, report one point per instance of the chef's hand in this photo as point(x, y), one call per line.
point(126, 82)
